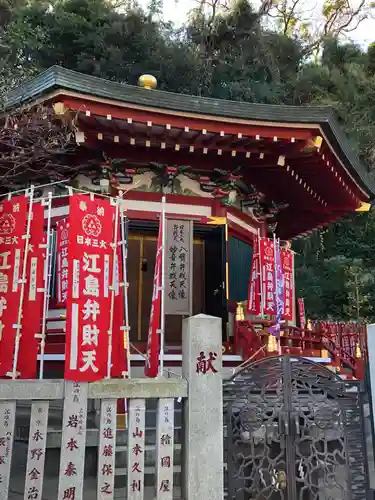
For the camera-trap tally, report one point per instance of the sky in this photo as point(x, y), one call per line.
point(177, 11)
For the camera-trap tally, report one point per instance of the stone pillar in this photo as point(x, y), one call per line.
point(203, 412)
point(371, 372)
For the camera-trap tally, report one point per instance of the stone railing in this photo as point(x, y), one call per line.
point(61, 440)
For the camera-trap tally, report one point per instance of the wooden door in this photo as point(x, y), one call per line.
point(133, 268)
point(141, 265)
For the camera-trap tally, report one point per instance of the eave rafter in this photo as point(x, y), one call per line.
point(174, 120)
point(297, 169)
point(183, 134)
point(284, 179)
point(181, 139)
point(259, 153)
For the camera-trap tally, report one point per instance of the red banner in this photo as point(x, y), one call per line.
point(287, 257)
point(119, 350)
point(13, 217)
point(33, 298)
point(267, 262)
point(62, 240)
point(153, 343)
point(302, 316)
point(91, 224)
point(253, 301)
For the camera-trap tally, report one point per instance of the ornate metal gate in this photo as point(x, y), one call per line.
point(294, 432)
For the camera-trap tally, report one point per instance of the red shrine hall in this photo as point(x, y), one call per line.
point(239, 180)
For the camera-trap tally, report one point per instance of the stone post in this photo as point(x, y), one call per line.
point(203, 412)
point(371, 373)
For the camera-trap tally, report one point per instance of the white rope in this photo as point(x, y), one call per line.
point(124, 244)
point(24, 190)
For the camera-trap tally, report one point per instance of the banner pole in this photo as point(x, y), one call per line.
point(275, 249)
point(113, 287)
point(47, 282)
point(162, 307)
point(260, 277)
point(18, 326)
point(124, 237)
point(124, 244)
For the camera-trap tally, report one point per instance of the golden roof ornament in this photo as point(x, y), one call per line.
point(238, 312)
point(147, 82)
point(358, 353)
point(271, 344)
point(240, 316)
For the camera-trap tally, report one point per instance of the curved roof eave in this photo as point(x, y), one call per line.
point(324, 116)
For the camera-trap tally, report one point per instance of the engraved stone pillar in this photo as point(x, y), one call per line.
point(73, 441)
point(37, 450)
point(164, 449)
point(136, 449)
point(203, 422)
point(371, 369)
point(7, 421)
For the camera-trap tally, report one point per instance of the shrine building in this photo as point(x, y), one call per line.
point(234, 169)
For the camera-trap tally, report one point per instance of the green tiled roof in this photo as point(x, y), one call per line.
point(57, 77)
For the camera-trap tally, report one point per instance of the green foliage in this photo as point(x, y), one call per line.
point(227, 50)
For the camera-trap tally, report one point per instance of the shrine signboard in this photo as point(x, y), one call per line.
point(179, 267)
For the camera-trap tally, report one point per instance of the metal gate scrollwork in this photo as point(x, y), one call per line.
point(293, 433)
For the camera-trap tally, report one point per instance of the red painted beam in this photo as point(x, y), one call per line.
point(123, 112)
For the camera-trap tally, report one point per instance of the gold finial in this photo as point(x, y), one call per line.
point(147, 82)
point(242, 312)
point(313, 143)
point(238, 312)
point(271, 344)
point(59, 108)
point(358, 353)
point(240, 316)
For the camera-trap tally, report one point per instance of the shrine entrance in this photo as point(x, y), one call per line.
point(294, 432)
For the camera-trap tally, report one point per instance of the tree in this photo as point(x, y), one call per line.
point(314, 23)
point(228, 49)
